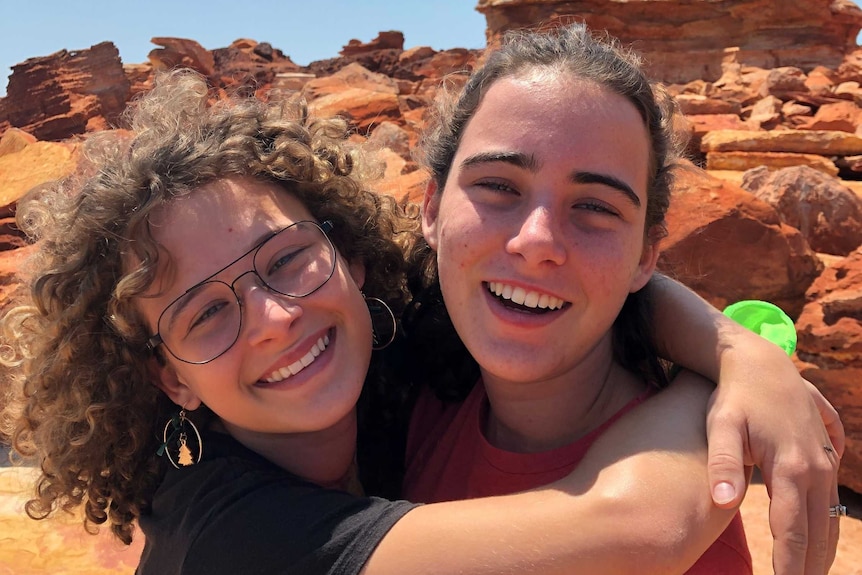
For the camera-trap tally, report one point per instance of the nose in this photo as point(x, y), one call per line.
point(538, 238)
point(267, 315)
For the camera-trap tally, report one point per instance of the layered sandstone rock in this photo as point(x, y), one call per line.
point(683, 40)
point(67, 93)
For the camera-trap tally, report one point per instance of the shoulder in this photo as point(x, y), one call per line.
point(235, 514)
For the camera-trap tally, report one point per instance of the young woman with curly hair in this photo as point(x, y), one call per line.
point(197, 358)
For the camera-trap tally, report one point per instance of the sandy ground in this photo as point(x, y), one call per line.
point(61, 547)
point(755, 515)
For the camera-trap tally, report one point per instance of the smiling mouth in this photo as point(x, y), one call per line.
point(529, 301)
point(302, 363)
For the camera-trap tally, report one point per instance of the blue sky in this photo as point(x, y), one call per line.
point(305, 30)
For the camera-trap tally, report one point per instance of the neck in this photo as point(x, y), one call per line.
point(536, 416)
point(324, 457)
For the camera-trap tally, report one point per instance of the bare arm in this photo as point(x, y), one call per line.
point(759, 391)
point(639, 502)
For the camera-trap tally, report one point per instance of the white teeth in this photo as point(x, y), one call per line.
point(519, 295)
point(297, 366)
point(522, 297)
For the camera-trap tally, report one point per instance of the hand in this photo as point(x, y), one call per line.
point(764, 413)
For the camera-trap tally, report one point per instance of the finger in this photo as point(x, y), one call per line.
point(820, 497)
point(830, 418)
point(726, 441)
point(788, 521)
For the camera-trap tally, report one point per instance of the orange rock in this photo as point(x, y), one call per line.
point(683, 40)
point(409, 187)
point(821, 142)
point(15, 140)
point(827, 213)
point(351, 76)
point(741, 161)
point(35, 164)
point(830, 345)
point(696, 104)
point(727, 245)
point(54, 97)
point(176, 52)
point(392, 40)
point(363, 108)
point(843, 116)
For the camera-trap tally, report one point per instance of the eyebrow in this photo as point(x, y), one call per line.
point(607, 180)
point(514, 158)
point(531, 164)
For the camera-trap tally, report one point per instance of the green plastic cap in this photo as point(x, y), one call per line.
point(765, 319)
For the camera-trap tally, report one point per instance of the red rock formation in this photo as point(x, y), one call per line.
point(392, 40)
point(729, 246)
point(67, 93)
point(248, 62)
point(179, 52)
point(684, 40)
point(830, 344)
point(828, 214)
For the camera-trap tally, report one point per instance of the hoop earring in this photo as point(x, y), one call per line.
point(175, 433)
point(383, 324)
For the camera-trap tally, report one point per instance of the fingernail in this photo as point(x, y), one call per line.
point(723, 492)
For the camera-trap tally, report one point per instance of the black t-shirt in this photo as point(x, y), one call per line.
point(237, 513)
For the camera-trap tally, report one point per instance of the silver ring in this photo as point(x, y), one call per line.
point(838, 511)
point(828, 449)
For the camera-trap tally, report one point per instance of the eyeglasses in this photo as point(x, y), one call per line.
point(205, 322)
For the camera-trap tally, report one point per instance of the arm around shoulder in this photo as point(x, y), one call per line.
point(638, 502)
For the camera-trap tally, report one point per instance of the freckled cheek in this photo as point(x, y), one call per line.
point(605, 263)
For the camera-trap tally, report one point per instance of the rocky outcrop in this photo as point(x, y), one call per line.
point(828, 214)
point(729, 246)
point(67, 93)
point(684, 40)
point(830, 345)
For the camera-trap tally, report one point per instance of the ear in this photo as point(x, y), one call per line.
point(357, 272)
point(647, 263)
point(430, 211)
point(165, 378)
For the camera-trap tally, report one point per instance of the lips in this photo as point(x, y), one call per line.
point(526, 298)
point(285, 372)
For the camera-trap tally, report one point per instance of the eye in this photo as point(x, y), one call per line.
point(597, 207)
point(282, 261)
point(206, 315)
point(497, 186)
point(288, 258)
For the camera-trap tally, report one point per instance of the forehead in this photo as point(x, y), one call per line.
point(214, 224)
point(561, 120)
point(229, 205)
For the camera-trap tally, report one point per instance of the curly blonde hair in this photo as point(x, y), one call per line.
point(85, 407)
